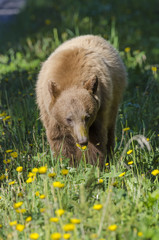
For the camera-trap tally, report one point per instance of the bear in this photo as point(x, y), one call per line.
point(78, 92)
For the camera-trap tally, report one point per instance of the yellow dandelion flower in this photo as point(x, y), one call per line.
point(9, 151)
point(17, 205)
point(34, 236)
point(56, 236)
point(59, 212)
point(107, 164)
point(42, 196)
point(11, 183)
point(42, 210)
point(127, 49)
point(66, 235)
point(19, 169)
point(14, 154)
point(0, 197)
point(155, 172)
point(122, 174)
point(112, 227)
point(126, 129)
point(68, 227)
point(58, 185)
point(47, 21)
point(154, 69)
point(130, 163)
point(42, 170)
point(13, 223)
point(52, 175)
point(6, 161)
point(28, 219)
point(1, 226)
point(81, 147)
point(100, 180)
point(97, 206)
point(75, 220)
point(54, 219)
point(20, 227)
point(30, 174)
point(129, 152)
point(64, 171)
point(22, 210)
point(35, 170)
point(140, 234)
point(37, 194)
point(29, 180)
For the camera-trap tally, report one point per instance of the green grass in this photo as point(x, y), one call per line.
point(130, 202)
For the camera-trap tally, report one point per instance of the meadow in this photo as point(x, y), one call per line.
point(43, 197)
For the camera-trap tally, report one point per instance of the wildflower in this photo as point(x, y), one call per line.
point(68, 227)
point(7, 118)
point(122, 174)
point(22, 210)
point(34, 236)
point(155, 172)
point(58, 184)
point(17, 205)
point(20, 227)
point(35, 170)
point(97, 206)
point(112, 227)
point(30, 174)
point(19, 169)
point(51, 175)
point(6, 161)
point(129, 152)
point(0, 225)
point(75, 220)
point(127, 49)
point(42, 170)
point(154, 69)
point(0, 197)
point(2, 177)
point(29, 180)
point(42, 196)
point(140, 234)
point(130, 163)
point(37, 194)
point(94, 235)
point(64, 171)
point(47, 21)
point(9, 151)
point(56, 236)
point(54, 219)
point(28, 219)
point(42, 210)
point(13, 223)
point(148, 139)
point(59, 212)
point(126, 129)
point(100, 180)
point(14, 154)
point(81, 147)
point(11, 183)
point(66, 235)
point(107, 164)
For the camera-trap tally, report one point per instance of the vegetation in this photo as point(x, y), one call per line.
point(44, 198)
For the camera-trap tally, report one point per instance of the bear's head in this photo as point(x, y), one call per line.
point(75, 109)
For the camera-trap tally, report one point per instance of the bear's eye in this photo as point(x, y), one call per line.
point(87, 117)
point(69, 120)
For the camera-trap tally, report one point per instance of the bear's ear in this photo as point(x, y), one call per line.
point(53, 89)
point(91, 85)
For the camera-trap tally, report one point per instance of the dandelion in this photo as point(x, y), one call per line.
point(129, 152)
point(9, 151)
point(127, 49)
point(29, 180)
point(100, 180)
point(66, 235)
point(68, 227)
point(0, 197)
point(59, 212)
point(0, 225)
point(30, 174)
point(54, 219)
point(154, 69)
point(47, 21)
point(97, 206)
point(75, 220)
point(34, 236)
point(17, 205)
point(122, 174)
point(64, 171)
point(42, 196)
point(148, 139)
point(140, 234)
point(107, 164)
point(42, 170)
point(52, 175)
point(14, 154)
point(6, 161)
point(42, 210)
point(11, 183)
point(58, 185)
point(130, 163)
point(37, 194)
point(155, 172)
point(126, 129)
point(81, 147)
point(28, 219)
point(13, 223)
point(112, 227)
point(20, 227)
point(35, 170)
point(23, 210)
point(19, 169)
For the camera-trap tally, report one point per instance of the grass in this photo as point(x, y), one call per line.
point(122, 200)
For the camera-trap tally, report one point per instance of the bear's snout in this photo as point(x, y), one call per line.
point(81, 134)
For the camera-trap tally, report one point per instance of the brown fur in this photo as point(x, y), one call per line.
point(79, 89)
